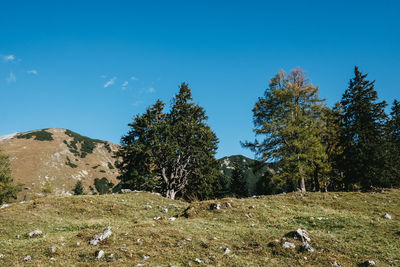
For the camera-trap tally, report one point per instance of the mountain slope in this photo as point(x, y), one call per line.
point(347, 228)
point(57, 158)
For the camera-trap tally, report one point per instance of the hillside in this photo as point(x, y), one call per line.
point(57, 158)
point(346, 228)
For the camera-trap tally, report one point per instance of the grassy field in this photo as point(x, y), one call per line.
point(348, 228)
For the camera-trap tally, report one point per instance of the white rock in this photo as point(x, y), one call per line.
point(53, 249)
point(145, 257)
point(387, 216)
point(100, 237)
point(35, 233)
point(165, 210)
point(4, 206)
point(147, 207)
point(288, 245)
point(172, 219)
point(111, 256)
point(198, 260)
point(157, 218)
point(78, 244)
point(368, 263)
point(99, 254)
point(126, 190)
point(247, 216)
point(306, 247)
point(335, 264)
point(227, 251)
point(1, 255)
point(27, 258)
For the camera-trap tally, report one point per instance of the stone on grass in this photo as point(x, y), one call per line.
point(27, 258)
point(299, 234)
point(172, 219)
point(157, 218)
point(335, 264)
point(306, 247)
point(1, 255)
point(100, 237)
point(53, 249)
point(164, 210)
point(198, 260)
point(387, 216)
point(367, 263)
point(147, 207)
point(4, 206)
point(227, 251)
point(99, 254)
point(145, 257)
point(288, 245)
point(35, 233)
point(216, 206)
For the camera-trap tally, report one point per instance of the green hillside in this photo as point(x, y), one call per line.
point(346, 228)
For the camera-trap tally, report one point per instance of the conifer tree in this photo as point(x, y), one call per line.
point(362, 129)
point(7, 189)
point(238, 183)
point(289, 119)
point(391, 177)
point(171, 152)
point(78, 188)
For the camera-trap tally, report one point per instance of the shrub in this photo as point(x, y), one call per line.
point(41, 135)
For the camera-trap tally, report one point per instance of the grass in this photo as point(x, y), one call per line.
point(350, 230)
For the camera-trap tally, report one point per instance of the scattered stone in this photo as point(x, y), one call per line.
point(27, 188)
point(53, 249)
point(335, 264)
point(306, 247)
point(247, 216)
point(100, 237)
point(52, 259)
point(288, 245)
point(1, 255)
point(216, 206)
point(227, 251)
point(4, 206)
point(252, 225)
point(62, 244)
point(139, 264)
point(110, 256)
point(367, 263)
point(78, 244)
point(157, 218)
point(35, 233)
point(172, 219)
point(99, 254)
point(17, 236)
point(214, 238)
point(387, 216)
point(27, 258)
point(252, 207)
point(164, 210)
point(198, 260)
point(126, 190)
point(299, 234)
point(145, 257)
point(147, 207)
point(228, 204)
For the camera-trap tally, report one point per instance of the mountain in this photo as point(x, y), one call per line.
point(253, 170)
point(55, 159)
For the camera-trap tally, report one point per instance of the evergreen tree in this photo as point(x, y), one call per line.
point(238, 185)
point(171, 152)
point(289, 118)
point(78, 188)
point(7, 189)
point(362, 128)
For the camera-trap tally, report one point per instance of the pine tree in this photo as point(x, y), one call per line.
point(238, 185)
point(289, 118)
point(362, 128)
point(7, 189)
point(171, 152)
point(78, 188)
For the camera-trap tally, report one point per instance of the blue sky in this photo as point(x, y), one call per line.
point(90, 66)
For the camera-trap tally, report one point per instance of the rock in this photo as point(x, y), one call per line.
point(110, 256)
point(1, 255)
point(4, 206)
point(99, 254)
point(306, 247)
point(164, 210)
point(145, 257)
point(227, 251)
point(247, 216)
point(126, 190)
point(172, 219)
point(27, 258)
point(367, 263)
point(35, 233)
point(17, 236)
point(288, 245)
point(53, 249)
point(147, 207)
point(78, 244)
point(198, 260)
point(216, 206)
point(100, 237)
point(299, 234)
point(228, 204)
point(387, 216)
point(335, 264)
point(157, 218)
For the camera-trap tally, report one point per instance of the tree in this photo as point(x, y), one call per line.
point(103, 186)
point(289, 119)
point(78, 188)
point(7, 189)
point(171, 152)
point(361, 133)
point(238, 183)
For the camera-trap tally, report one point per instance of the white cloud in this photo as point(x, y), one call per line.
point(9, 58)
point(11, 78)
point(133, 78)
point(103, 76)
point(125, 84)
point(33, 72)
point(110, 82)
point(151, 90)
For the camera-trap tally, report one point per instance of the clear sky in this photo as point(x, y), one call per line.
point(90, 66)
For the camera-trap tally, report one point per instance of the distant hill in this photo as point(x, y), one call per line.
point(253, 170)
point(58, 158)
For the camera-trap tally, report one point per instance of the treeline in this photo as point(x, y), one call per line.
point(351, 146)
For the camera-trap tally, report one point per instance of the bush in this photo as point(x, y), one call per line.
point(69, 163)
point(78, 188)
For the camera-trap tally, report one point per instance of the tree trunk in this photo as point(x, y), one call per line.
point(302, 185)
point(171, 194)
